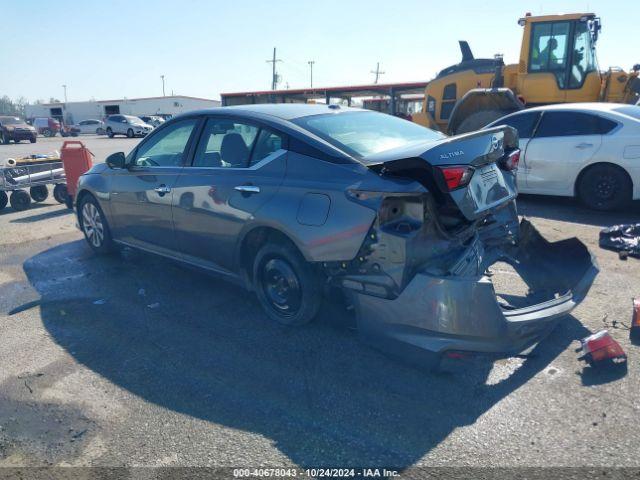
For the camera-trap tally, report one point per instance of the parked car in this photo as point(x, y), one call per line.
point(292, 201)
point(587, 150)
point(126, 125)
point(153, 120)
point(46, 126)
point(91, 126)
point(16, 129)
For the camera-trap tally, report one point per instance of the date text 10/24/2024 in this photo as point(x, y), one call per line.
point(315, 472)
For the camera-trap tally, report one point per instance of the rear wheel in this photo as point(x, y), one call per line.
point(288, 288)
point(109, 132)
point(130, 133)
point(39, 193)
point(47, 133)
point(16, 141)
point(20, 200)
point(478, 120)
point(604, 187)
point(60, 193)
point(32, 139)
point(94, 225)
point(4, 199)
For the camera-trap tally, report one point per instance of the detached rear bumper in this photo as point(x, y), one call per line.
point(435, 314)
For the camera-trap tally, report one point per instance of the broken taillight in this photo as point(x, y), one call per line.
point(456, 176)
point(511, 160)
point(601, 347)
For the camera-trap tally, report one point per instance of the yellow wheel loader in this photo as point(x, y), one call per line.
point(557, 64)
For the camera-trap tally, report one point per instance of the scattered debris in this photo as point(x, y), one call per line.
point(624, 239)
point(601, 349)
point(634, 333)
point(154, 305)
point(102, 301)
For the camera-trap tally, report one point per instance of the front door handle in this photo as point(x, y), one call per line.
point(247, 189)
point(584, 145)
point(162, 189)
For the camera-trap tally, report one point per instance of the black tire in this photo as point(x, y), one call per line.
point(604, 187)
point(69, 202)
point(130, 133)
point(477, 120)
point(16, 141)
point(4, 138)
point(4, 199)
point(288, 287)
point(32, 139)
point(39, 193)
point(60, 193)
point(20, 200)
point(47, 133)
point(109, 132)
point(93, 224)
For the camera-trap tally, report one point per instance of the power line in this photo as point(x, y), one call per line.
point(377, 72)
point(274, 76)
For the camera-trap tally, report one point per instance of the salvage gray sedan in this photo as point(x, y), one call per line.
point(294, 201)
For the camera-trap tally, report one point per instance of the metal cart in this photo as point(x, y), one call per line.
point(35, 176)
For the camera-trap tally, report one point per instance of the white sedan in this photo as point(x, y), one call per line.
point(91, 126)
point(587, 150)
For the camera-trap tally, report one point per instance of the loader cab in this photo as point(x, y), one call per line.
point(557, 59)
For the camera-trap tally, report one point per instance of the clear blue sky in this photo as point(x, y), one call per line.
point(114, 49)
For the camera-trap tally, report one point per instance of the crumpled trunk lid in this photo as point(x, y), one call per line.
point(490, 187)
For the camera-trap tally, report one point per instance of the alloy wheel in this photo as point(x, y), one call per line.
point(92, 224)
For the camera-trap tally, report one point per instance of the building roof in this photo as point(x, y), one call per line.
point(132, 100)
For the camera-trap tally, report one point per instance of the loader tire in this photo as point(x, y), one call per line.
point(478, 120)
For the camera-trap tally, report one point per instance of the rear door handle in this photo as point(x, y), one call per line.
point(584, 145)
point(162, 189)
point(247, 189)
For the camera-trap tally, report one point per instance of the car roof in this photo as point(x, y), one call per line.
point(591, 106)
point(284, 111)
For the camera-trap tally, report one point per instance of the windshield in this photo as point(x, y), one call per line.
point(132, 119)
point(365, 133)
point(631, 111)
point(10, 120)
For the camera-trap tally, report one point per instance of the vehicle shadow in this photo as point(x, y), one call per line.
point(42, 216)
point(569, 209)
point(202, 347)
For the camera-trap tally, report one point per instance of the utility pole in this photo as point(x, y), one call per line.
point(311, 62)
point(162, 77)
point(65, 93)
point(274, 76)
point(377, 72)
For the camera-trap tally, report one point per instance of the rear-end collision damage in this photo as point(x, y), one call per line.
point(420, 283)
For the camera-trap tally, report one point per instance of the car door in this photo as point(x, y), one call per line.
point(525, 123)
point(237, 166)
point(563, 143)
point(141, 194)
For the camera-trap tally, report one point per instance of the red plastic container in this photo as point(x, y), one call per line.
point(76, 159)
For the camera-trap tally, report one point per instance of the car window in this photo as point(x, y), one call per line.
point(524, 123)
point(166, 147)
point(267, 143)
point(563, 124)
point(225, 143)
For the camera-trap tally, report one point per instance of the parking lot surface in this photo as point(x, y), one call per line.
point(132, 360)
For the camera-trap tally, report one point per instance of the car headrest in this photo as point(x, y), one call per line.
point(233, 150)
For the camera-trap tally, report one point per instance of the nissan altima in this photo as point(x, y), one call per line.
point(293, 201)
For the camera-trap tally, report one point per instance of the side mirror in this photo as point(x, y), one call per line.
point(116, 160)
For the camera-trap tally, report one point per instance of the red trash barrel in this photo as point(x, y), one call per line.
point(76, 159)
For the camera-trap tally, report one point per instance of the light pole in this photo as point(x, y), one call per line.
point(162, 77)
point(311, 62)
point(65, 93)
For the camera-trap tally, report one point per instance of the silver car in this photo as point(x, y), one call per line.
point(304, 204)
point(126, 125)
point(91, 126)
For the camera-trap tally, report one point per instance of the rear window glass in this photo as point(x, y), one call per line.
point(564, 124)
point(366, 133)
point(631, 111)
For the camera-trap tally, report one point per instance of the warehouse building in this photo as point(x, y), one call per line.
point(74, 112)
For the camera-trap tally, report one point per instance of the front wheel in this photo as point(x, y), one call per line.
point(94, 226)
point(288, 287)
point(605, 187)
point(130, 133)
point(32, 139)
point(109, 132)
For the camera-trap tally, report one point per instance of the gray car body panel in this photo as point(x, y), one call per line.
point(414, 284)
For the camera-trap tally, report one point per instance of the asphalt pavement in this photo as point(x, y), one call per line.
point(133, 360)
